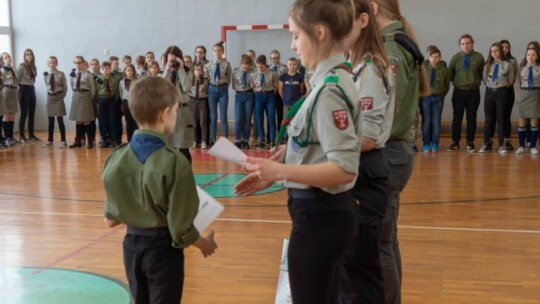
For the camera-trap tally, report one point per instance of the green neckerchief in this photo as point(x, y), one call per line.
point(298, 104)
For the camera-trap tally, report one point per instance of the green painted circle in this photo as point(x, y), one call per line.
point(222, 184)
point(53, 285)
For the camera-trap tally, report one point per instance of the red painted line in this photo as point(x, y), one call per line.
point(77, 251)
point(215, 180)
point(259, 27)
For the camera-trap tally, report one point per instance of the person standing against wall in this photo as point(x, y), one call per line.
point(26, 74)
point(510, 95)
point(466, 68)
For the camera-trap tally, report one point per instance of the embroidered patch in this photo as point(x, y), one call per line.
point(394, 69)
point(367, 103)
point(341, 121)
point(394, 58)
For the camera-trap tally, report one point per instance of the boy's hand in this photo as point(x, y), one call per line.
point(207, 245)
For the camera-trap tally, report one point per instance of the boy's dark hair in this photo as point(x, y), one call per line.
point(149, 96)
point(140, 60)
point(466, 36)
point(113, 58)
point(246, 60)
point(105, 64)
point(126, 57)
point(261, 59)
point(220, 45)
point(434, 50)
point(293, 59)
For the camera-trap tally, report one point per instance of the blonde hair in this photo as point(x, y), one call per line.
point(149, 96)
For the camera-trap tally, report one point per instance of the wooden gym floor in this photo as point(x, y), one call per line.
point(469, 230)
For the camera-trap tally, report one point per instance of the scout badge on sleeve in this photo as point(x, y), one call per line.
point(367, 103)
point(341, 121)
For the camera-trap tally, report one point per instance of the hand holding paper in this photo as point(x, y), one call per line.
point(226, 150)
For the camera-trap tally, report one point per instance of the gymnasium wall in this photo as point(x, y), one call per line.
point(66, 28)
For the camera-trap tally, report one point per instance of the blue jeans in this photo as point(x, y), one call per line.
point(218, 95)
point(243, 109)
point(432, 107)
point(265, 101)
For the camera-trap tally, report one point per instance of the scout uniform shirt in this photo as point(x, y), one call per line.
point(239, 83)
point(9, 77)
point(500, 74)
point(26, 76)
point(124, 86)
point(149, 184)
point(438, 78)
point(224, 69)
point(407, 82)
point(331, 130)
point(202, 85)
point(87, 82)
point(270, 81)
point(116, 76)
point(279, 69)
point(377, 101)
point(534, 82)
point(463, 77)
point(60, 83)
point(107, 86)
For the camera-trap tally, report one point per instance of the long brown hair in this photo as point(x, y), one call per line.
point(390, 9)
point(369, 39)
point(336, 15)
point(30, 67)
point(531, 45)
point(490, 59)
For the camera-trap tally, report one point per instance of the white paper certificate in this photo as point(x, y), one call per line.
point(226, 150)
point(209, 210)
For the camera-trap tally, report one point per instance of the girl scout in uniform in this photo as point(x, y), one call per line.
point(197, 104)
point(9, 91)
point(510, 95)
point(406, 63)
point(321, 156)
point(243, 102)
point(528, 99)
point(498, 75)
point(218, 72)
point(264, 82)
point(26, 74)
point(82, 105)
point(374, 81)
point(153, 68)
point(124, 85)
point(182, 137)
point(56, 84)
point(3, 110)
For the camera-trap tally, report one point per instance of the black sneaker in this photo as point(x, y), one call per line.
point(471, 148)
point(486, 148)
point(33, 138)
point(453, 147)
point(238, 145)
point(508, 146)
point(261, 146)
point(76, 144)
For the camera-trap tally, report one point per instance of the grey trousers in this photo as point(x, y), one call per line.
point(398, 158)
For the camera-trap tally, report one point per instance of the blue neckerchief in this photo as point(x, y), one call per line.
point(530, 79)
point(263, 80)
point(143, 145)
point(432, 77)
point(466, 62)
point(496, 72)
point(217, 74)
point(275, 68)
point(244, 78)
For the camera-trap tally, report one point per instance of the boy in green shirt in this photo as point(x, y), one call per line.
point(150, 188)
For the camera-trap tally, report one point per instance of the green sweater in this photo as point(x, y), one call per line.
point(441, 82)
point(149, 184)
point(467, 78)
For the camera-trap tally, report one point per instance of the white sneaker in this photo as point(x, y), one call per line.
point(520, 150)
point(48, 144)
point(194, 146)
point(203, 145)
point(534, 151)
point(63, 145)
point(502, 150)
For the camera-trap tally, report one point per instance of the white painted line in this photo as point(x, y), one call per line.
point(472, 229)
point(289, 222)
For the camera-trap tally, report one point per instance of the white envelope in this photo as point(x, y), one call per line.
point(209, 210)
point(226, 150)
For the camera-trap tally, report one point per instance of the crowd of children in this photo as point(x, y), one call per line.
point(100, 90)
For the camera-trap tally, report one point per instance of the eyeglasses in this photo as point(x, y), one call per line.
point(273, 58)
point(77, 62)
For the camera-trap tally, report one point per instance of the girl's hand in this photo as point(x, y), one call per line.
point(267, 170)
point(250, 184)
point(278, 153)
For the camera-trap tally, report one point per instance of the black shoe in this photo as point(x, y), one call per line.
point(414, 149)
point(103, 144)
point(261, 146)
point(486, 148)
point(33, 138)
point(113, 145)
point(238, 145)
point(76, 144)
point(508, 146)
point(90, 145)
point(245, 146)
point(470, 148)
point(453, 147)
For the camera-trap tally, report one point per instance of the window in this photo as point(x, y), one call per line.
point(5, 27)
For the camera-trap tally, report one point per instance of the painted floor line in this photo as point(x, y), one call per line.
point(289, 222)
